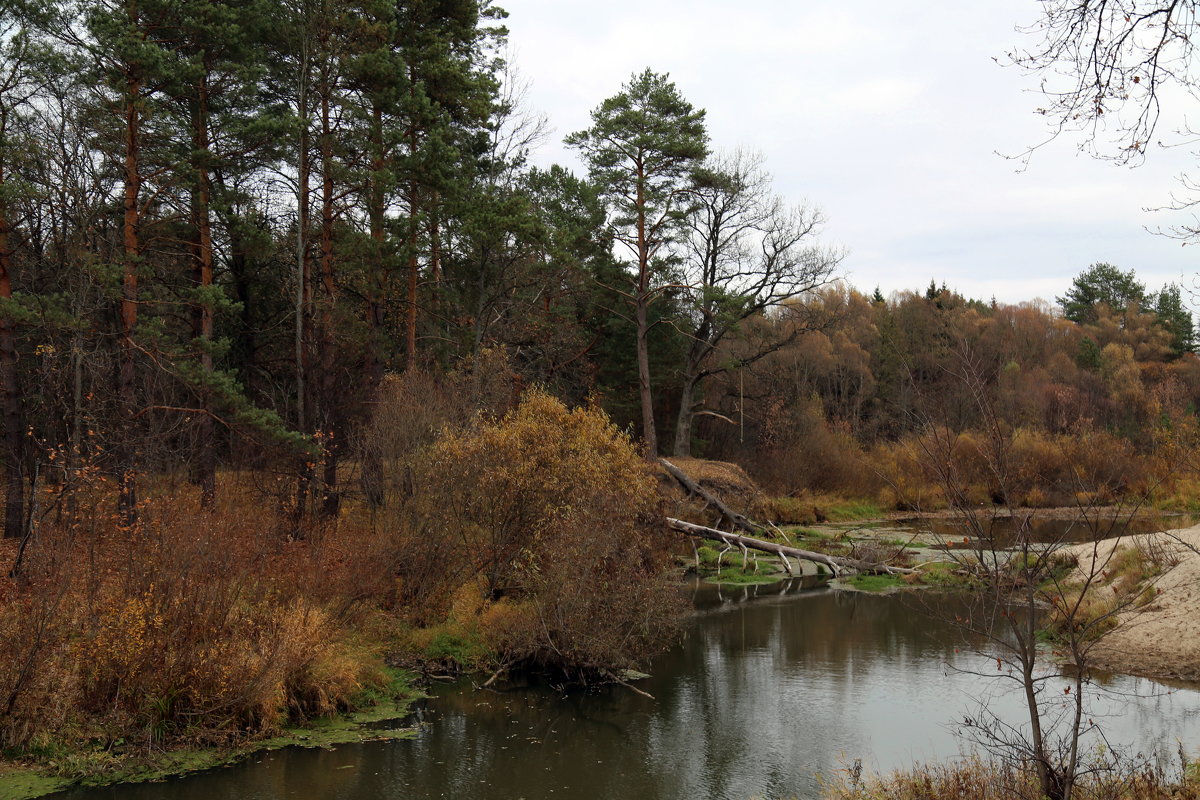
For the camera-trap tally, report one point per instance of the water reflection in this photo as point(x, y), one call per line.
point(761, 695)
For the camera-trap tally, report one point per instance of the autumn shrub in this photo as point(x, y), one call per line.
point(1015, 467)
point(905, 486)
point(190, 626)
point(551, 519)
point(413, 408)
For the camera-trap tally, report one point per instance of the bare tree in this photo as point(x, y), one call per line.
point(1106, 67)
point(746, 252)
point(1039, 605)
point(1106, 63)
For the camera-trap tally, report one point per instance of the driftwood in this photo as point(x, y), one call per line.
point(836, 563)
point(731, 517)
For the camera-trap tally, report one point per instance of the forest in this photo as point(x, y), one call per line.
point(297, 345)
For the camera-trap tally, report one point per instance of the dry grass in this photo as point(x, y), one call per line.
point(727, 481)
point(988, 780)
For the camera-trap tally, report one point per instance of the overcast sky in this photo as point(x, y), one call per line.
point(888, 116)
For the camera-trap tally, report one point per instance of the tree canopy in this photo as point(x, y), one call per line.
point(642, 146)
point(1101, 283)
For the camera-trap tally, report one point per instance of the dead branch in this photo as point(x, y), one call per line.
point(835, 563)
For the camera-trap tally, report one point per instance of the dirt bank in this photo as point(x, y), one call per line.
point(1160, 639)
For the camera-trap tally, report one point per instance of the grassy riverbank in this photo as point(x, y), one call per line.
point(51, 769)
point(531, 541)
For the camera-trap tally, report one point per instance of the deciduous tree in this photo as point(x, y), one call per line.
point(747, 252)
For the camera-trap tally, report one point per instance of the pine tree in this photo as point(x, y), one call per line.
point(641, 148)
point(18, 80)
point(447, 104)
point(131, 68)
point(219, 64)
point(1176, 319)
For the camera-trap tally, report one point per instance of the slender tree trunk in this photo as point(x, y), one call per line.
point(240, 276)
point(642, 313)
point(688, 405)
point(643, 359)
point(14, 422)
point(410, 321)
point(1027, 644)
point(372, 469)
point(202, 322)
point(687, 411)
point(435, 240)
point(75, 456)
point(328, 411)
point(303, 279)
point(131, 256)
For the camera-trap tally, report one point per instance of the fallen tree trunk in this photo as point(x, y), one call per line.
point(734, 519)
point(836, 563)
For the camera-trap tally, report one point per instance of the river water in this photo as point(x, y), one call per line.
point(770, 687)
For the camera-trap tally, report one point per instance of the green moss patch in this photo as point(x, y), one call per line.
point(23, 784)
point(945, 575)
point(875, 583)
point(735, 577)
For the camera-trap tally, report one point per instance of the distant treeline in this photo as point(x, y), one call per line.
point(874, 374)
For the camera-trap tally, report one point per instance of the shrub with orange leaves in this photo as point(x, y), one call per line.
point(553, 512)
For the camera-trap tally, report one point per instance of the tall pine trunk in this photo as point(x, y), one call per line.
point(642, 313)
point(131, 255)
point(329, 411)
point(303, 280)
point(410, 321)
point(372, 469)
point(643, 361)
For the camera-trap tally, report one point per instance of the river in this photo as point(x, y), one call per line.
point(769, 687)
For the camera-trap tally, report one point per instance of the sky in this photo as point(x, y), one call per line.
point(893, 118)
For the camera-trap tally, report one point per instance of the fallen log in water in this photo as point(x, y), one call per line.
point(836, 563)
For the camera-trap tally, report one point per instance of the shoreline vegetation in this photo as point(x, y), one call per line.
point(189, 639)
point(533, 542)
point(22, 782)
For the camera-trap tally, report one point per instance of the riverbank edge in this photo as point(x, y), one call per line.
point(20, 781)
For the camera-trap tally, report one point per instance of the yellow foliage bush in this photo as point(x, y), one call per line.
point(553, 522)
